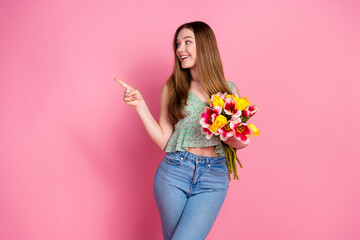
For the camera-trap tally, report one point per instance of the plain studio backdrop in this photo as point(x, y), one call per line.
point(76, 162)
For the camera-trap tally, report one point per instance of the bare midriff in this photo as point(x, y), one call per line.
point(203, 151)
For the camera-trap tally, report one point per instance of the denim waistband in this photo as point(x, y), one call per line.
point(201, 159)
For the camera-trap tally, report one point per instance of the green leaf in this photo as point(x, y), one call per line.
point(244, 119)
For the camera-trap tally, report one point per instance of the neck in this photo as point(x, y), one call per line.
point(194, 74)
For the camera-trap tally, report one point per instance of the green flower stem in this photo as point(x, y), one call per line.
point(228, 163)
point(237, 159)
point(231, 159)
point(234, 163)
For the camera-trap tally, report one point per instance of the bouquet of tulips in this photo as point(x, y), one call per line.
point(226, 117)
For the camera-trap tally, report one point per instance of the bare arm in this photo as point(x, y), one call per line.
point(160, 132)
point(232, 141)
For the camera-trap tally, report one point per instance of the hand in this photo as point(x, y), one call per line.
point(233, 142)
point(131, 96)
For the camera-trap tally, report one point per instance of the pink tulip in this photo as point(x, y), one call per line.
point(208, 117)
point(242, 131)
point(230, 108)
point(250, 110)
point(207, 132)
point(222, 95)
point(226, 132)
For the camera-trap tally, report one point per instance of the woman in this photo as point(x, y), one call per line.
point(191, 182)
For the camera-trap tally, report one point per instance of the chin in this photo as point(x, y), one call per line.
point(188, 66)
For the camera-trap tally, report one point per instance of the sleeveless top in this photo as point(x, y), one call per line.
point(187, 131)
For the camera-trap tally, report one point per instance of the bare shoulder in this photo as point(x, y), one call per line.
point(164, 89)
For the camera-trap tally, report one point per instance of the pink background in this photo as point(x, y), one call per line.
point(76, 162)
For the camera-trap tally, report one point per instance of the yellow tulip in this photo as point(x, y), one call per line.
point(218, 101)
point(233, 96)
point(242, 103)
point(218, 123)
point(255, 131)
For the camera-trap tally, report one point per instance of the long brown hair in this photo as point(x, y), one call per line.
point(209, 65)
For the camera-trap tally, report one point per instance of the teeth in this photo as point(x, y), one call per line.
point(184, 57)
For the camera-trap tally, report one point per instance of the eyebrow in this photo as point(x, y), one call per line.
point(185, 37)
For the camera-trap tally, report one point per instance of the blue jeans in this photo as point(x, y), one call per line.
point(189, 191)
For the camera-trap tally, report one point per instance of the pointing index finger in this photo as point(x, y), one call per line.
point(124, 84)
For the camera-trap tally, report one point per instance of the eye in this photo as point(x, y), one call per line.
point(177, 44)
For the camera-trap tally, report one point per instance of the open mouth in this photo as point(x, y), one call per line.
point(184, 57)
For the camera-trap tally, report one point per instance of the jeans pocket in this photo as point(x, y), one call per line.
point(220, 170)
point(172, 159)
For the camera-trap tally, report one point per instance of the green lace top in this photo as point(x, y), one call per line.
point(187, 131)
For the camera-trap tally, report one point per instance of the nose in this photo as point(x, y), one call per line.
point(180, 48)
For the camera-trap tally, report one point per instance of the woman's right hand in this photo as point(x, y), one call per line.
point(131, 96)
point(160, 132)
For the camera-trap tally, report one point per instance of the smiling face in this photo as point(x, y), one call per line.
point(186, 48)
